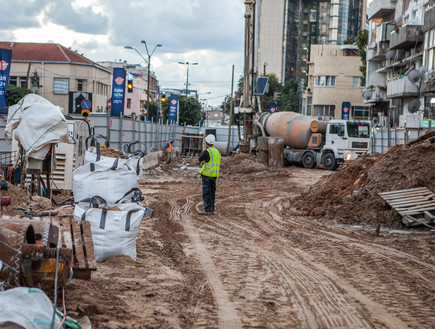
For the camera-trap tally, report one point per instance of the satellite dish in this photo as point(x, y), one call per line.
point(414, 76)
point(422, 70)
point(367, 94)
point(390, 55)
point(414, 105)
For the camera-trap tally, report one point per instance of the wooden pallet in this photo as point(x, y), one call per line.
point(78, 237)
point(416, 205)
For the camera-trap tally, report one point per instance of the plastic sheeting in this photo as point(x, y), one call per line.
point(37, 123)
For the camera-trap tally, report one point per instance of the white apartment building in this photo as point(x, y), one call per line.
point(400, 64)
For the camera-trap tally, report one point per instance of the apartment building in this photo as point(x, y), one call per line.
point(400, 65)
point(285, 31)
point(334, 84)
point(61, 75)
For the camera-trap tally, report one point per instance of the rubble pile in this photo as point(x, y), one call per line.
point(350, 195)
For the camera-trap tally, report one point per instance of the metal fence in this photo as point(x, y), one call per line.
point(120, 131)
point(384, 137)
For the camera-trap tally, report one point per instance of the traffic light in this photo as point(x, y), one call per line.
point(163, 98)
point(86, 113)
point(130, 86)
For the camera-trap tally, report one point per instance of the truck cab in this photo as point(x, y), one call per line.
point(344, 140)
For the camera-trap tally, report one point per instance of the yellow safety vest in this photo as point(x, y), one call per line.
point(211, 168)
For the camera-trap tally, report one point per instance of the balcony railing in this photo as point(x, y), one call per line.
point(407, 37)
point(401, 87)
point(381, 8)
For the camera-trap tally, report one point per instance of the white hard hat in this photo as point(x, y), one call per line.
point(210, 139)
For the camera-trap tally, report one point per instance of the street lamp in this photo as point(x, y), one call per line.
point(187, 75)
point(149, 70)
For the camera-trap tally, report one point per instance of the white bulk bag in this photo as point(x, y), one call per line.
point(108, 178)
point(28, 308)
point(38, 124)
point(113, 232)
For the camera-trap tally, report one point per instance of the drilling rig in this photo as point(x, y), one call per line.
point(246, 109)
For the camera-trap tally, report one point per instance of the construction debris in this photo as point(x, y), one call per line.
point(416, 205)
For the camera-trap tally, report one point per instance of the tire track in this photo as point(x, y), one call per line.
point(227, 316)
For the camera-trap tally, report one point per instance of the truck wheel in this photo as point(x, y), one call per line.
point(308, 160)
point(329, 162)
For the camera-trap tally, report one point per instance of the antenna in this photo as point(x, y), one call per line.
point(414, 76)
point(414, 105)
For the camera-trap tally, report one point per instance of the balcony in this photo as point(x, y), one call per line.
point(381, 9)
point(401, 87)
point(377, 79)
point(375, 95)
point(377, 51)
point(407, 37)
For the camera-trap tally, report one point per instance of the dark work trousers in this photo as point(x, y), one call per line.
point(208, 192)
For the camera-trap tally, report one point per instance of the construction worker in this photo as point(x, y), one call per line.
point(168, 149)
point(210, 159)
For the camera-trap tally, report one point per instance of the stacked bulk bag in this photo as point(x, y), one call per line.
point(107, 195)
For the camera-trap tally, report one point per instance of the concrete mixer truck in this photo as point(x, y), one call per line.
point(310, 142)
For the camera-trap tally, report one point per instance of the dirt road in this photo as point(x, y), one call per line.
point(257, 263)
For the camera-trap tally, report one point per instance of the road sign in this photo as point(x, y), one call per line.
point(85, 104)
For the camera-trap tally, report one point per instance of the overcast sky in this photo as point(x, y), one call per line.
point(209, 32)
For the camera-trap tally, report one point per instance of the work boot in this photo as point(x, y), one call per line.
point(205, 212)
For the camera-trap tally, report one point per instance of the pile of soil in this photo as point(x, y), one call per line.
point(20, 199)
point(241, 163)
point(351, 195)
point(111, 152)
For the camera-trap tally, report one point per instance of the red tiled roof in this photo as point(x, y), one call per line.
point(44, 52)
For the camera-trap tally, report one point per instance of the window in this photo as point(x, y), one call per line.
point(361, 112)
point(358, 129)
point(429, 52)
point(80, 84)
point(61, 86)
point(337, 129)
point(13, 80)
point(128, 103)
point(356, 82)
point(324, 81)
point(22, 82)
point(324, 110)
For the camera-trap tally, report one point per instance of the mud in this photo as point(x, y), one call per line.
point(262, 262)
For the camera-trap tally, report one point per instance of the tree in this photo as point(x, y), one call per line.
point(14, 94)
point(289, 100)
point(361, 41)
point(190, 110)
point(153, 110)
